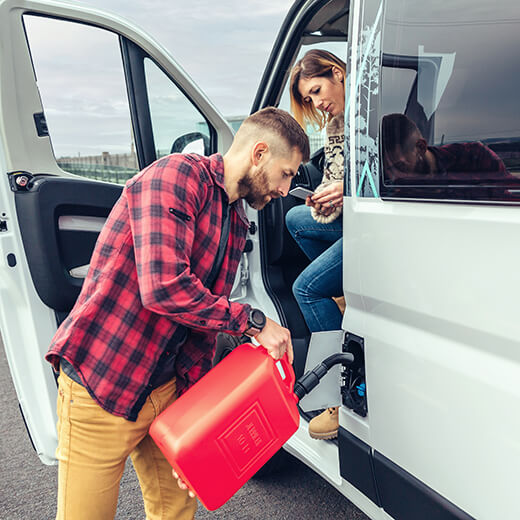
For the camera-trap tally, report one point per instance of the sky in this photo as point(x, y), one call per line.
point(223, 45)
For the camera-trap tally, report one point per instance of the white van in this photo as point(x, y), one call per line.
point(430, 274)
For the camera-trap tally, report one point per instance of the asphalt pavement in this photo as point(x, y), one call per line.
point(28, 487)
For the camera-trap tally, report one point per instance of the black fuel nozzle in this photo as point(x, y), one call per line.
point(311, 378)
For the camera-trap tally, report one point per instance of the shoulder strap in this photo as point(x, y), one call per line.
point(181, 333)
point(219, 258)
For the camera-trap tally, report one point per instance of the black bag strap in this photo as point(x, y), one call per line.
point(181, 333)
point(221, 251)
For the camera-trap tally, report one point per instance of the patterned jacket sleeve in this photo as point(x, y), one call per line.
point(334, 164)
point(163, 204)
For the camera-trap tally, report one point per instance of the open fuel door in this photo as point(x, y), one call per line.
point(80, 113)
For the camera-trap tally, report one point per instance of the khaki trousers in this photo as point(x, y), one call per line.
point(93, 446)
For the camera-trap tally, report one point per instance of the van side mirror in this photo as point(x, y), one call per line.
point(195, 141)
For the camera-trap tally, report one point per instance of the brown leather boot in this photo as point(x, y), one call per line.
point(325, 425)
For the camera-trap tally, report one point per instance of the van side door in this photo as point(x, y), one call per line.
point(80, 113)
point(431, 248)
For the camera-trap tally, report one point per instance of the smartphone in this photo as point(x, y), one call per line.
point(301, 193)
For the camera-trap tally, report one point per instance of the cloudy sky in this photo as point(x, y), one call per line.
point(223, 45)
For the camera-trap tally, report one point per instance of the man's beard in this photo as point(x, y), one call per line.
point(255, 189)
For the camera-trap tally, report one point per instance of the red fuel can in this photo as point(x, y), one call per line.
point(220, 432)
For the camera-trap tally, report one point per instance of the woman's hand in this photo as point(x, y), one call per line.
point(328, 199)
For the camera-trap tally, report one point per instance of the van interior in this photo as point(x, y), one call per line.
point(282, 259)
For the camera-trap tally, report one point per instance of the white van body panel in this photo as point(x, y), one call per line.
point(443, 372)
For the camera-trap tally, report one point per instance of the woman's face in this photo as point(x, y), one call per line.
point(326, 94)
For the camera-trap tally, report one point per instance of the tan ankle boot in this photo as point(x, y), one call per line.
point(325, 425)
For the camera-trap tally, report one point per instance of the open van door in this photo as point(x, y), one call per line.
point(80, 113)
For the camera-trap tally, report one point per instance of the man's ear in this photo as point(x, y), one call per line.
point(258, 151)
point(421, 145)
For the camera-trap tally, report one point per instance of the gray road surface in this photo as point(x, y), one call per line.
point(28, 488)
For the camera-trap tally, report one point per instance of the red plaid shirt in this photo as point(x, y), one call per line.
point(158, 243)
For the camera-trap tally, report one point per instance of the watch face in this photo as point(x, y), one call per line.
point(258, 317)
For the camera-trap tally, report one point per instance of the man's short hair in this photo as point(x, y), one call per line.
point(282, 124)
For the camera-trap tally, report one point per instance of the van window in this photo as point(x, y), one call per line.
point(451, 111)
point(82, 87)
point(177, 125)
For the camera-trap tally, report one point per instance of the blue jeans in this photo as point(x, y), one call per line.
point(322, 278)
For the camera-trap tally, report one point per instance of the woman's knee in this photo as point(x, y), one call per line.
point(303, 287)
point(298, 288)
point(294, 218)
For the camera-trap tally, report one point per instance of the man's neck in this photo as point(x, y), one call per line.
point(233, 172)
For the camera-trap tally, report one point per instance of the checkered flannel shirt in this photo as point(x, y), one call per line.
point(145, 279)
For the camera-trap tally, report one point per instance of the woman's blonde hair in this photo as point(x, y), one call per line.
point(315, 63)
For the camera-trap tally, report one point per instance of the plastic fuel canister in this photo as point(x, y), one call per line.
point(220, 432)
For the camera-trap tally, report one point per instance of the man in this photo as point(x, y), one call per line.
point(409, 160)
point(143, 328)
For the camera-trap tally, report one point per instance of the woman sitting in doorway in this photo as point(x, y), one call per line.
point(317, 90)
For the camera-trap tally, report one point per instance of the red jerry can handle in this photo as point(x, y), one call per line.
point(287, 370)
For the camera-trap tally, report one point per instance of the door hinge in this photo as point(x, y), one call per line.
point(41, 124)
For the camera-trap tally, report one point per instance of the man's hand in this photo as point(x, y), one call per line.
point(276, 340)
point(181, 484)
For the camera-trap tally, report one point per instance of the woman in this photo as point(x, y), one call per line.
point(318, 97)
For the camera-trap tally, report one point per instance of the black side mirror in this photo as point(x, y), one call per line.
point(180, 144)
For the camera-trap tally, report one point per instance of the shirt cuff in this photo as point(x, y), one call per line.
point(239, 318)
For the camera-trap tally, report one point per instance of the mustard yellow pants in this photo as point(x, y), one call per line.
point(93, 446)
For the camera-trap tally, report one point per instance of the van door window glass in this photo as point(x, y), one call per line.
point(458, 134)
point(177, 125)
point(82, 87)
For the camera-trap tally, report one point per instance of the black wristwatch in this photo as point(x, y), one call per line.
point(255, 323)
